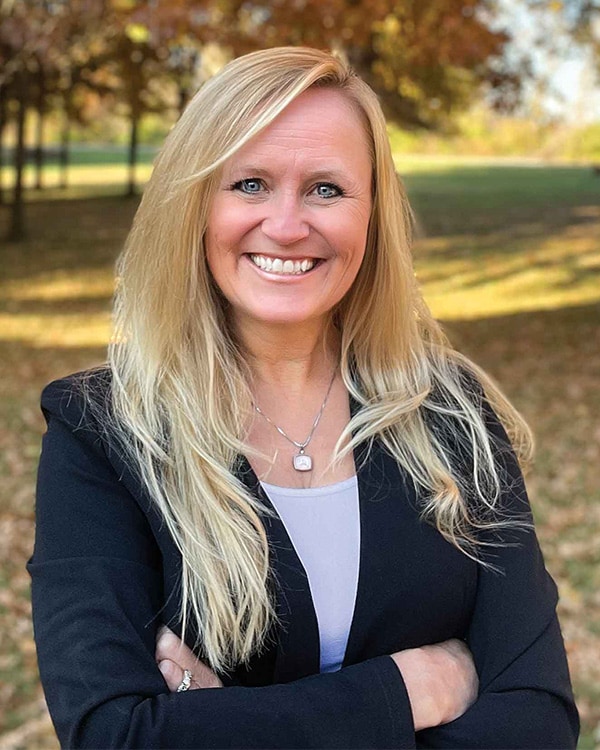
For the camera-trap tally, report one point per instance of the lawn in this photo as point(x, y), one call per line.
point(509, 259)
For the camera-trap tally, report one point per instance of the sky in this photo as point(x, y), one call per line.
point(578, 95)
point(572, 90)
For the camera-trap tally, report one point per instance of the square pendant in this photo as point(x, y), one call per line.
point(302, 462)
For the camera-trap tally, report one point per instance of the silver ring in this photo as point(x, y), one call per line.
point(185, 682)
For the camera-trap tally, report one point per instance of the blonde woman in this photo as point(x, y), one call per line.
point(286, 465)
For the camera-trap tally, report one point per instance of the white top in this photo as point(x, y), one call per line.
point(324, 526)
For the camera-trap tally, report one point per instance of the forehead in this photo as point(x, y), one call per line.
point(320, 126)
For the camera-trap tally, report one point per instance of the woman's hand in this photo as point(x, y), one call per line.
point(173, 656)
point(441, 681)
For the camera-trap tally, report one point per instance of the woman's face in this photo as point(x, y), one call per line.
point(288, 224)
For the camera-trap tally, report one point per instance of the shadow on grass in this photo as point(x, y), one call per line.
point(480, 199)
point(544, 341)
point(498, 258)
point(27, 368)
point(544, 360)
point(68, 234)
point(65, 307)
point(552, 330)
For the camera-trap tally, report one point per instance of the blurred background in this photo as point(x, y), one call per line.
point(494, 118)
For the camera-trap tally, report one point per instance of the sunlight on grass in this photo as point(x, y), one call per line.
point(88, 174)
point(409, 163)
point(53, 326)
point(61, 285)
point(562, 270)
point(56, 330)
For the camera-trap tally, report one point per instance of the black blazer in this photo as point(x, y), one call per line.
point(105, 574)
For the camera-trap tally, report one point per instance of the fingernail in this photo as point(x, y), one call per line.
point(164, 667)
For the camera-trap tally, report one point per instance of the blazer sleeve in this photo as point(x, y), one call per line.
point(97, 593)
point(525, 698)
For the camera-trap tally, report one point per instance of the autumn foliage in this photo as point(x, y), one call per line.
point(426, 58)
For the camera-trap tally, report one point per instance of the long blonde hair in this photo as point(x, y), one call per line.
point(180, 392)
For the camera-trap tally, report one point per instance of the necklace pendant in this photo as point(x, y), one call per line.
point(302, 462)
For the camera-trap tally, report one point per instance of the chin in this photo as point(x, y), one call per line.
point(285, 318)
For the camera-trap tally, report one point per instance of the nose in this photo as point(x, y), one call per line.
point(284, 222)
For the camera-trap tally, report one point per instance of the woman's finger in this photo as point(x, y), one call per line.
point(171, 650)
point(169, 646)
point(174, 676)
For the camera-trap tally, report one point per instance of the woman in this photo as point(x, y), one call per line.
point(287, 464)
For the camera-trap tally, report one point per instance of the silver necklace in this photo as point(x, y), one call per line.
point(302, 461)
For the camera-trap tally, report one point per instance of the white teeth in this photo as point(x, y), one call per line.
point(283, 267)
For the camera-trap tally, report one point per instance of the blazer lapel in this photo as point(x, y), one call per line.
point(296, 638)
point(297, 633)
point(373, 490)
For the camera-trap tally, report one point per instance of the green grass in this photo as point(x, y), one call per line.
point(102, 168)
point(94, 155)
point(529, 229)
point(509, 258)
point(479, 197)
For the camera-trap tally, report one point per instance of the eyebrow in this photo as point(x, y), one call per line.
point(248, 169)
point(332, 173)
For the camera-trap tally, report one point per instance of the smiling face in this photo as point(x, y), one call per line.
point(288, 224)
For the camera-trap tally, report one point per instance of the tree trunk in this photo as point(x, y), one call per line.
point(65, 139)
point(2, 130)
point(16, 232)
point(39, 131)
point(184, 97)
point(133, 144)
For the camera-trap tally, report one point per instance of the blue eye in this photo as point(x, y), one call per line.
point(328, 190)
point(250, 186)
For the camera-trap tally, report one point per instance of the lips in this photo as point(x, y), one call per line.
point(283, 266)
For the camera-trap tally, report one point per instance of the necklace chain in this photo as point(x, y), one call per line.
point(303, 445)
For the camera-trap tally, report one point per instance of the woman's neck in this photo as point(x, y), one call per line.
point(291, 357)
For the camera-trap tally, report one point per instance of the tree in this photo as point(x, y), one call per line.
point(177, 30)
point(32, 42)
point(3, 121)
point(135, 69)
point(565, 30)
point(424, 57)
point(580, 17)
point(21, 36)
point(157, 48)
point(39, 44)
point(428, 59)
point(583, 17)
point(84, 28)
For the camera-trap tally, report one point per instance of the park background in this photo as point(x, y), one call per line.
point(494, 118)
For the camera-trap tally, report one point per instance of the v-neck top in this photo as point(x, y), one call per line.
point(323, 524)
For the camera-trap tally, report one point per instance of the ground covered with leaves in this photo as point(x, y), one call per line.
point(509, 259)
